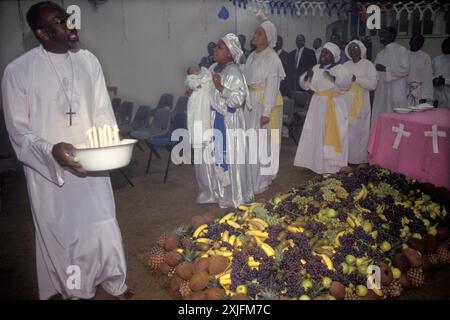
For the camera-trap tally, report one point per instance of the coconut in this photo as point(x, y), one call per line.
point(240, 296)
point(175, 283)
point(197, 221)
point(208, 217)
point(202, 246)
point(217, 264)
point(385, 274)
point(401, 262)
point(172, 258)
point(337, 290)
point(417, 244)
point(215, 293)
point(430, 243)
point(199, 281)
point(414, 258)
point(165, 268)
point(442, 233)
point(405, 282)
point(199, 295)
point(171, 242)
point(201, 264)
point(185, 270)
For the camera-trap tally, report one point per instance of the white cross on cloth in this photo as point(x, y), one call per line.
point(434, 133)
point(400, 132)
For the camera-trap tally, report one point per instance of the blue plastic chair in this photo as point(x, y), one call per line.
point(140, 120)
point(164, 140)
point(181, 105)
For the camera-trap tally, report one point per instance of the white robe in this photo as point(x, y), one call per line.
point(311, 151)
point(359, 128)
point(199, 105)
point(391, 89)
point(263, 69)
point(441, 67)
point(232, 187)
point(420, 78)
point(74, 216)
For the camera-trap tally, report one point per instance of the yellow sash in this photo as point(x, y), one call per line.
point(274, 118)
point(331, 130)
point(358, 101)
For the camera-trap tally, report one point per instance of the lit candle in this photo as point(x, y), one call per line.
point(94, 132)
point(116, 135)
point(90, 138)
point(100, 137)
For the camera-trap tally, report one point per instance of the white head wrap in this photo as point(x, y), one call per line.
point(271, 32)
point(361, 46)
point(233, 44)
point(334, 49)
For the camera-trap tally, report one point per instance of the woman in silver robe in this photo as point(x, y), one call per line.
point(223, 176)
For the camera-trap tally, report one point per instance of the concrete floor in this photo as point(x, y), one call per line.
point(143, 212)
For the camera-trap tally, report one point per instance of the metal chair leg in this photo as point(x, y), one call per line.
point(149, 159)
point(126, 177)
point(168, 163)
point(138, 144)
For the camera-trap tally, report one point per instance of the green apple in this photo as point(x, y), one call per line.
point(345, 268)
point(426, 222)
point(331, 213)
point(362, 270)
point(360, 261)
point(304, 297)
point(326, 282)
point(396, 273)
point(350, 259)
point(385, 246)
point(417, 236)
point(367, 227)
point(361, 290)
point(307, 284)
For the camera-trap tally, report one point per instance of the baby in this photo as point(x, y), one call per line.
point(199, 80)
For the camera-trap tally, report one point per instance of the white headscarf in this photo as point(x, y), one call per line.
point(271, 32)
point(334, 49)
point(361, 46)
point(233, 44)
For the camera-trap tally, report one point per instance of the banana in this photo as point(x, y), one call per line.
point(360, 194)
point(179, 250)
point(295, 229)
point(327, 261)
point(356, 220)
point(226, 217)
point(234, 224)
point(238, 243)
point(336, 241)
point(258, 240)
point(199, 230)
point(225, 236)
point(377, 291)
point(252, 263)
point(243, 208)
point(322, 251)
point(303, 261)
point(259, 221)
point(232, 239)
point(267, 249)
point(223, 253)
point(204, 240)
point(350, 222)
point(257, 233)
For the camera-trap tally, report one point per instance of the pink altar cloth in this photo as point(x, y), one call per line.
point(398, 143)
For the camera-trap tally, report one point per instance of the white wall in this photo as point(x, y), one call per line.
point(160, 40)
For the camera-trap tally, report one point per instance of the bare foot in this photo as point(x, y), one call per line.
point(127, 295)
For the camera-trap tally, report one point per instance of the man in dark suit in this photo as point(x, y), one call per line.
point(284, 57)
point(302, 59)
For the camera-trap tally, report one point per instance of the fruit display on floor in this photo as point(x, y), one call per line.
point(318, 241)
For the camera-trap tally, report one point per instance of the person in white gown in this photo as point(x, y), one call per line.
point(392, 64)
point(51, 97)
point(420, 77)
point(223, 176)
point(323, 145)
point(364, 79)
point(263, 72)
point(441, 74)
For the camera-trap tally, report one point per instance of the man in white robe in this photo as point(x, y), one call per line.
point(323, 145)
point(441, 73)
point(420, 77)
point(365, 79)
point(51, 94)
point(392, 64)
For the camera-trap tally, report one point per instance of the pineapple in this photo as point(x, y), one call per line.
point(268, 294)
point(185, 289)
point(433, 258)
point(443, 255)
point(156, 258)
point(416, 276)
point(162, 239)
point(394, 289)
point(181, 231)
point(351, 296)
point(171, 272)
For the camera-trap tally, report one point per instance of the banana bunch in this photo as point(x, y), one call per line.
point(228, 216)
point(201, 230)
point(267, 249)
point(353, 221)
point(362, 194)
point(257, 234)
point(204, 240)
point(257, 224)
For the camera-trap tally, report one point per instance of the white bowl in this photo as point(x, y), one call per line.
point(106, 158)
point(402, 110)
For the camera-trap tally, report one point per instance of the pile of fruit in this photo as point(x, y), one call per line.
point(319, 241)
